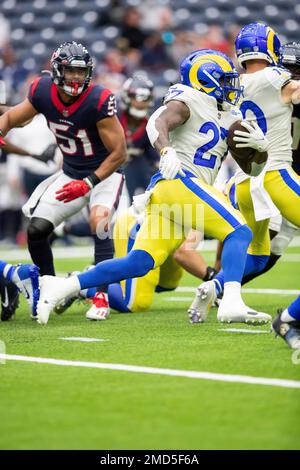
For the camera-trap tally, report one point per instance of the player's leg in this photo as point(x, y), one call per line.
point(104, 200)
point(48, 214)
point(227, 225)
point(188, 257)
point(259, 248)
point(287, 324)
point(284, 188)
point(26, 279)
point(170, 275)
point(156, 239)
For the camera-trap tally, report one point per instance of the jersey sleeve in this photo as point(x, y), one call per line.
point(180, 92)
point(107, 106)
point(277, 77)
point(35, 93)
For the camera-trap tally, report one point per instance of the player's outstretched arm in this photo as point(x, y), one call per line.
point(112, 135)
point(16, 116)
point(290, 93)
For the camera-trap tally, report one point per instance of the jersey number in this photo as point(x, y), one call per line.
point(258, 113)
point(200, 158)
point(67, 144)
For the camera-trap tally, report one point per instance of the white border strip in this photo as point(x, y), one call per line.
point(153, 370)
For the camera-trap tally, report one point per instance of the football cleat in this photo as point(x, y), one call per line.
point(52, 291)
point(288, 331)
point(9, 299)
point(26, 278)
point(239, 313)
point(205, 297)
point(100, 308)
point(66, 303)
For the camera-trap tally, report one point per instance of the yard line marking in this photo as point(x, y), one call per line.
point(244, 330)
point(248, 290)
point(154, 370)
point(84, 340)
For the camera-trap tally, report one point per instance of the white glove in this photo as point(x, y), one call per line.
point(255, 138)
point(170, 164)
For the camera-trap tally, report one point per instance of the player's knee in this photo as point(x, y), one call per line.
point(142, 303)
point(244, 233)
point(39, 229)
point(142, 262)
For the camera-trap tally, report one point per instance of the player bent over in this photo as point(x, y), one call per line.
point(82, 116)
point(190, 132)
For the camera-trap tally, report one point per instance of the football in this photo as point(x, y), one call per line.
point(245, 157)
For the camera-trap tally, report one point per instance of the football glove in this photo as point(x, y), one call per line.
point(254, 138)
point(72, 190)
point(169, 164)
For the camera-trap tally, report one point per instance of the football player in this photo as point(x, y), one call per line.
point(22, 278)
point(82, 116)
point(136, 102)
point(269, 95)
point(287, 324)
point(189, 134)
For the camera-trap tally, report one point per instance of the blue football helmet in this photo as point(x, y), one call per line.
point(213, 73)
point(257, 41)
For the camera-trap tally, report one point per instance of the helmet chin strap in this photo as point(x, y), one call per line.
point(137, 113)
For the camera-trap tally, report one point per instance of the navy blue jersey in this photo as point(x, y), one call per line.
point(74, 126)
point(296, 138)
point(137, 141)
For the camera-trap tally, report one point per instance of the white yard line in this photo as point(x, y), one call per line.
point(244, 330)
point(84, 340)
point(156, 371)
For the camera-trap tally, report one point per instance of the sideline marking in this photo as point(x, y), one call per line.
point(153, 370)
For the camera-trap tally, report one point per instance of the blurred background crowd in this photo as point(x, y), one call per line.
point(123, 36)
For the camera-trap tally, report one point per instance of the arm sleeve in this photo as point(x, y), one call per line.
point(106, 106)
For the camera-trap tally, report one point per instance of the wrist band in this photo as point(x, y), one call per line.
point(92, 180)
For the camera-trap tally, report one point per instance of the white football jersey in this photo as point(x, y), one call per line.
point(201, 142)
point(262, 101)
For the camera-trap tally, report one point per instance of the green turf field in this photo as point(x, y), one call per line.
point(47, 406)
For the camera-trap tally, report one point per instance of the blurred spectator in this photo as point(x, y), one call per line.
point(132, 30)
point(215, 39)
point(4, 32)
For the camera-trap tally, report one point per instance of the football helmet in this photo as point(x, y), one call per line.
point(213, 73)
point(137, 89)
point(71, 55)
point(257, 41)
point(290, 58)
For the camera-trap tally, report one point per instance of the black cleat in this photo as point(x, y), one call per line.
point(288, 331)
point(9, 299)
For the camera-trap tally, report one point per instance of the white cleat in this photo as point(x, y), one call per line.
point(52, 290)
point(100, 308)
point(205, 297)
point(240, 313)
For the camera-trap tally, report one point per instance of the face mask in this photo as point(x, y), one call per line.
point(74, 90)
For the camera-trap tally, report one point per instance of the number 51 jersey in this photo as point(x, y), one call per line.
point(74, 126)
point(201, 142)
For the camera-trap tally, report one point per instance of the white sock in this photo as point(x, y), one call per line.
point(232, 292)
point(285, 316)
point(73, 284)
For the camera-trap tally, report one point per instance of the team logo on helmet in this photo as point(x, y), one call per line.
point(213, 73)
